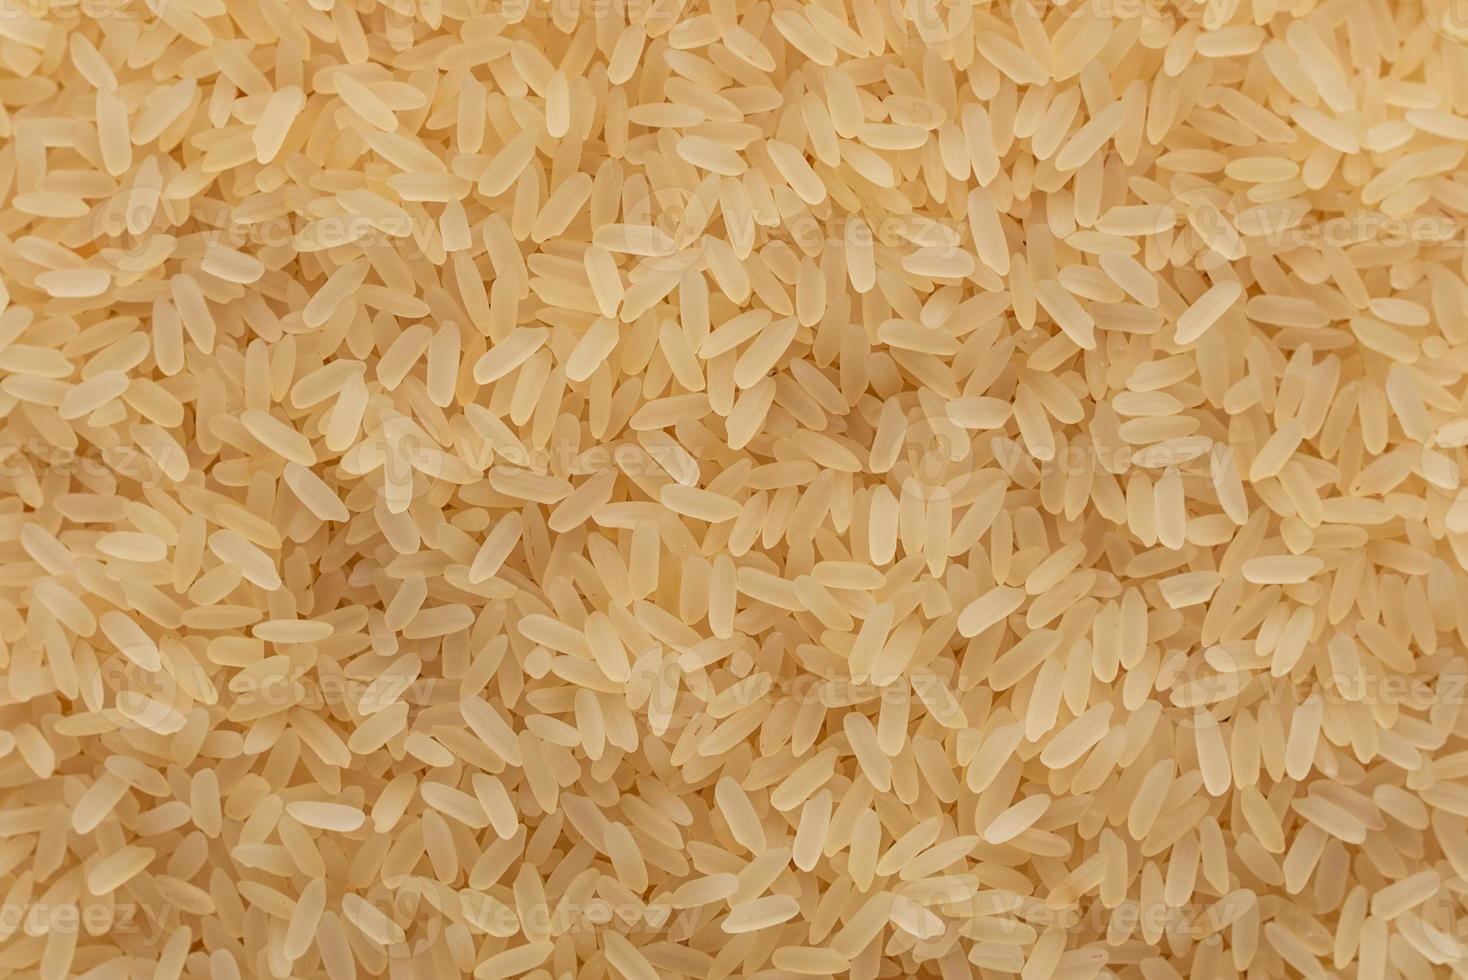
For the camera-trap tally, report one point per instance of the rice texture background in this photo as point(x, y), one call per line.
point(733, 488)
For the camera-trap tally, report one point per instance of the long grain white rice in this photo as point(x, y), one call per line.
point(712, 489)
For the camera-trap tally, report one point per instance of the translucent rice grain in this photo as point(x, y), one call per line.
point(231, 265)
point(760, 914)
point(113, 871)
point(1205, 312)
point(74, 283)
point(1282, 569)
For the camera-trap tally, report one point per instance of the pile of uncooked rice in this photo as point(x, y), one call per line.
point(887, 488)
